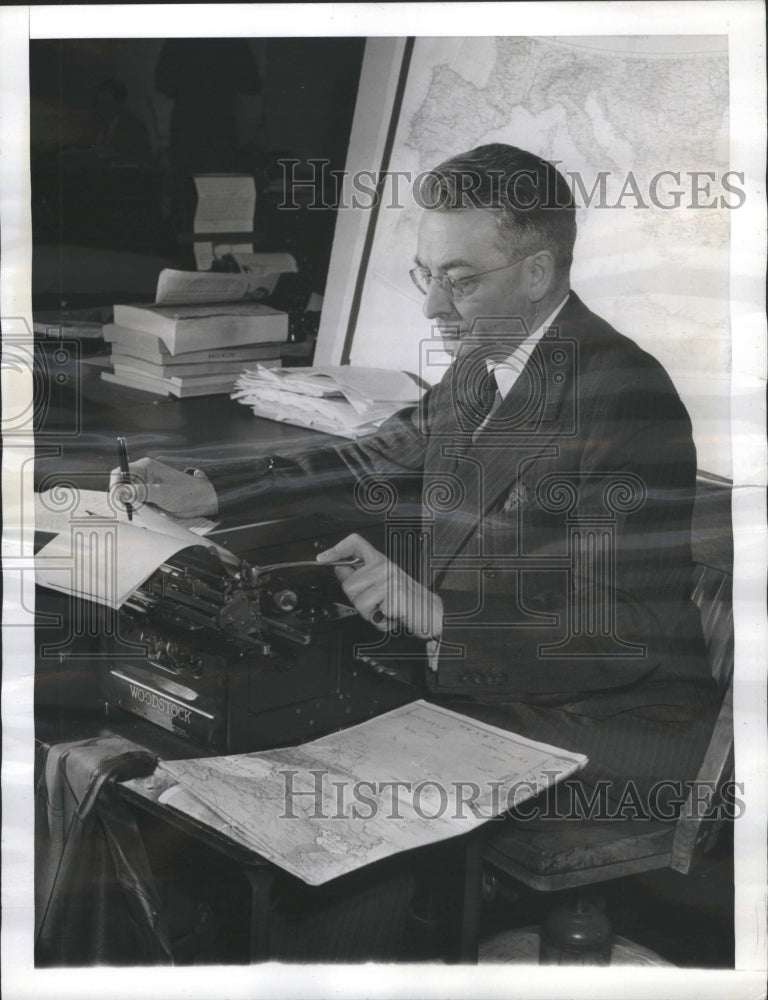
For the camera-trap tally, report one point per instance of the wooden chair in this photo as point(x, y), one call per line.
point(571, 855)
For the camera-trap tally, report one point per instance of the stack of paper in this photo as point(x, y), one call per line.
point(339, 399)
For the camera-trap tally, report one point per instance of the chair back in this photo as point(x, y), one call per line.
point(701, 819)
point(712, 593)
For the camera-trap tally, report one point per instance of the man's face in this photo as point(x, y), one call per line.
point(461, 243)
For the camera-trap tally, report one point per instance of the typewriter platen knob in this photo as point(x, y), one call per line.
point(285, 599)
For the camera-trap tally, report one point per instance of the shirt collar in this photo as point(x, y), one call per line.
point(508, 370)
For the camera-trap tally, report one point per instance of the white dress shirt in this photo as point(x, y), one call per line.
point(509, 370)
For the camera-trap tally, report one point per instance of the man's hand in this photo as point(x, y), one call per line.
point(165, 487)
point(382, 593)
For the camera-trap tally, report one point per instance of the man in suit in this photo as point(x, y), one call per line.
point(558, 477)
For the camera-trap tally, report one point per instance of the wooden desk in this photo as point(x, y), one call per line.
point(144, 793)
point(80, 416)
point(76, 444)
point(460, 856)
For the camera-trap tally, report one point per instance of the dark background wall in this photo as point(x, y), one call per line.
point(308, 89)
point(297, 101)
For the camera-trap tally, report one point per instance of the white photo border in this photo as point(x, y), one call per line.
point(744, 22)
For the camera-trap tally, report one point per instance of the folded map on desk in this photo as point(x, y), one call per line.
point(410, 777)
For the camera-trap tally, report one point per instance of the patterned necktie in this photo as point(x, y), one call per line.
point(488, 390)
point(474, 405)
point(483, 404)
point(487, 396)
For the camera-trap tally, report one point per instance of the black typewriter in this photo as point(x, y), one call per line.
point(242, 657)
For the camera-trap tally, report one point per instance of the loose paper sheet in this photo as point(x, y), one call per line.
point(98, 554)
point(256, 280)
point(103, 562)
point(225, 204)
point(261, 269)
point(188, 287)
point(55, 510)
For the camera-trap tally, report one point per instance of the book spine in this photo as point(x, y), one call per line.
point(148, 346)
point(163, 387)
point(202, 379)
point(197, 370)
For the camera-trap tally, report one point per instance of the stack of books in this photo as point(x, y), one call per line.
point(338, 399)
point(193, 349)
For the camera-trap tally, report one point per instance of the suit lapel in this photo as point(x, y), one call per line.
point(527, 423)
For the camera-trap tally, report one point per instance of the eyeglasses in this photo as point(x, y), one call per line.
point(456, 288)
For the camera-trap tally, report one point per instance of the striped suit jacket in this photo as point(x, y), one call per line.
point(558, 536)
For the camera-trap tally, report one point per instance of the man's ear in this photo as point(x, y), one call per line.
point(541, 274)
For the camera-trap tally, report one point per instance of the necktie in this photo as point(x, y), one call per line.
point(488, 390)
point(474, 406)
point(482, 403)
point(487, 396)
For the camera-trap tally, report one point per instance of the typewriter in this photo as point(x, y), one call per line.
point(243, 657)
